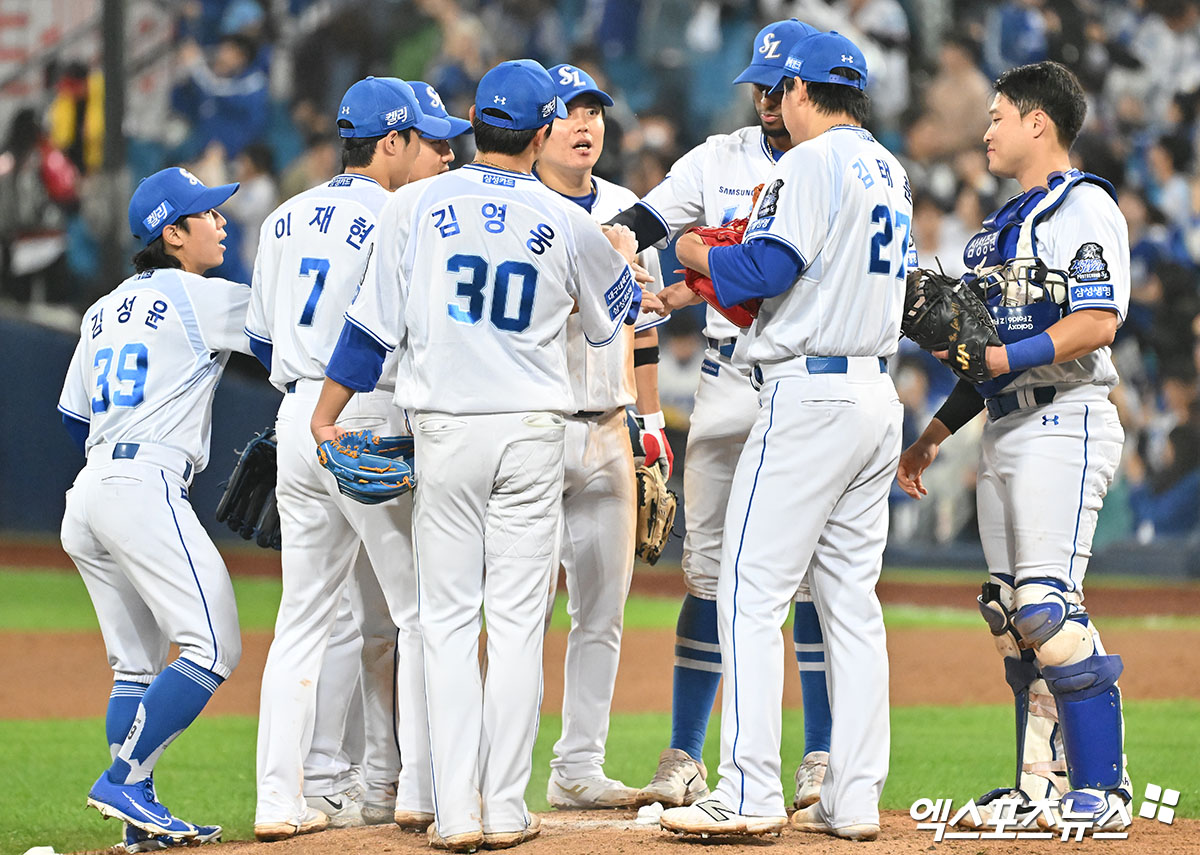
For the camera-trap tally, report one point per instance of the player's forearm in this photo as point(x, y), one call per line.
point(692, 253)
point(1076, 335)
point(935, 433)
point(963, 404)
point(334, 398)
point(645, 371)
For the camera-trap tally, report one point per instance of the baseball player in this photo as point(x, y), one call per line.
point(138, 399)
point(827, 253)
point(710, 185)
point(1054, 261)
point(472, 284)
point(599, 491)
point(313, 252)
point(354, 763)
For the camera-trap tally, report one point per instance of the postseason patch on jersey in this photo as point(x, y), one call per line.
point(770, 199)
point(617, 297)
point(1089, 265)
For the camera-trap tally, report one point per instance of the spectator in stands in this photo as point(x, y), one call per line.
point(953, 98)
point(1169, 160)
point(319, 162)
point(1166, 501)
point(257, 196)
point(1015, 34)
point(76, 123)
point(224, 99)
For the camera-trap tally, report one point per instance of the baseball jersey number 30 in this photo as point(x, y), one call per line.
point(471, 290)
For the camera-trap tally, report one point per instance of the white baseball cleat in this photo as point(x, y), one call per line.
point(680, 780)
point(467, 841)
point(508, 839)
point(1089, 810)
point(313, 820)
point(343, 810)
point(712, 816)
point(812, 820)
point(379, 813)
point(809, 776)
point(412, 820)
point(594, 791)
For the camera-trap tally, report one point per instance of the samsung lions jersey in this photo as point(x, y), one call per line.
point(842, 202)
point(474, 275)
point(149, 358)
point(709, 186)
point(312, 254)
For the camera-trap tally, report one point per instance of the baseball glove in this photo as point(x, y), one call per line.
point(743, 314)
point(943, 313)
point(369, 468)
point(248, 504)
point(655, 513)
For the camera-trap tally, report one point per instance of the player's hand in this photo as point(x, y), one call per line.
point(651, 303)
point(652, 433)
point(640, 274)
point(676, 297)
point(997, 359)
point(623, 241)
point(913, 461)
point(323, 432)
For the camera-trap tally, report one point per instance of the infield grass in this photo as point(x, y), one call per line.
point(208, 774)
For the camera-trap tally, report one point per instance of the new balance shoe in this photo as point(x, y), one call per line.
point(811, 819)
point(594, 791)
point(343, 810)
point(137, 840)
point(313, 820)
point(508, 839)
point(680, 780)
point(809, 776)
point(467, 841)
point(1090, 810)
point(412, 820)
point(712, 817)
point(137, 805)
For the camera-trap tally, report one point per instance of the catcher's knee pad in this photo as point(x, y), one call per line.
point(996, 604)
point(1050, 619)
point(1089, 712)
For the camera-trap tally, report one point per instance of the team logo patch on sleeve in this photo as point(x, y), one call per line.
point(1089, 265)
point(617, 297)
point(770, 199)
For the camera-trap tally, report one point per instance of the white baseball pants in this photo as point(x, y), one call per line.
point(489, 496)
point(809, 496)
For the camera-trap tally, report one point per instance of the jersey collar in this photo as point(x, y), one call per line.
point(357, 175)
point(479, 167)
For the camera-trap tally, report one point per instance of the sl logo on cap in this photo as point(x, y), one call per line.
point(192, 179)
point(394, 116)
point(770, 47)
point(434, 98)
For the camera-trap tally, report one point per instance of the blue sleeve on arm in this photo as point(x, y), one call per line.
point(262, 351)
point(357, 360)
point(78, 429)
point(761, 268)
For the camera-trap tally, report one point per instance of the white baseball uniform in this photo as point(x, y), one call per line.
point(710, 185)
point(599, 519)
point(472, 283)
point(143, 376)
point(810, 490)
point(313, 253)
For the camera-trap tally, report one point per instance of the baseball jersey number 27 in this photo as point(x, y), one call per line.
point(471, 289)
point(880, 263)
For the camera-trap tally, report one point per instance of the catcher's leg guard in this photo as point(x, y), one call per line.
point(1089, 710)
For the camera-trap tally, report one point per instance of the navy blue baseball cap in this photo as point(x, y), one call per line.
point(375, 106)
point(771, 48)
point(816, 57)
point(522, 89)
point(167, 195)
point(431, 105)
point(570, 81)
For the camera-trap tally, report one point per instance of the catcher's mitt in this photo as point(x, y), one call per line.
point(368, 468)
point(943, 313)
point(655, 513)
point(743, 314)
point(248, 504)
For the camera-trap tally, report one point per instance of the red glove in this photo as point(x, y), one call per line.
point(652, 434)
point(730, 234)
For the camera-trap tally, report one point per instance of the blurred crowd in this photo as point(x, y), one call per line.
point(254, 84)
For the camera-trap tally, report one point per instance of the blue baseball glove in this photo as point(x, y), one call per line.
point(369, 468)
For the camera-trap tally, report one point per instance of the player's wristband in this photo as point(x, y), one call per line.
point(963, 404)
point(645, 356)
point(650, 421)
point(1031, 352)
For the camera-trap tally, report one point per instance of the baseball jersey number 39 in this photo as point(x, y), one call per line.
point(471, 290)
point(132, 363)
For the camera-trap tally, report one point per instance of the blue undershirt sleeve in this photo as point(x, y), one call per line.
point(262, 352)
point(357, 360)
point(761, 268)
point(78, 429)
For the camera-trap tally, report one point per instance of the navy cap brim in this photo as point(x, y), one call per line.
point(601, 96)
point(763, 75)
point(433, 127)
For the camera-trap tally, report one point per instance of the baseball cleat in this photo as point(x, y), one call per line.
point(412, 820)
point(1091, 811)
point(137, 840)
point(809, 776)
point(508, 839)
point(594, 791)
point(342, 809)
point(810, 819)
point(137, 805)
point(680, 780)
point(313, 820)
point(379, 813)
point(467, 841)
point(712, 817)
point(1001, 802)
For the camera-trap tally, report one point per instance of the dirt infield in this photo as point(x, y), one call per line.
point(617, 833)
